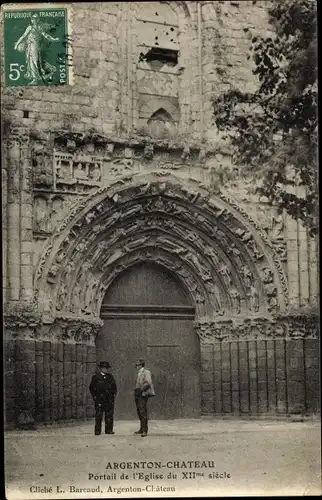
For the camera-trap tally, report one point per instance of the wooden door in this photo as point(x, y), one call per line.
point(148, 314)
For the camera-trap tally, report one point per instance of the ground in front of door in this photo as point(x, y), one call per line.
point(202, 457)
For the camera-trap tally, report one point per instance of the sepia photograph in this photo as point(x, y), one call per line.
point(160, 249)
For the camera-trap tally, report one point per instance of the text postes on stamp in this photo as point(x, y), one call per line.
point(37, 46)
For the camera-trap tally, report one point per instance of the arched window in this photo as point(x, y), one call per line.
point(160, 115)
point(161, 123)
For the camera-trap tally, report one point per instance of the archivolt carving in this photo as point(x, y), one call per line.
point(186, 274)
point(263, 235)
point(107, 252)
point(184, 227)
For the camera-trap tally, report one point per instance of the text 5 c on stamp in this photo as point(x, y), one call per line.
point(37, 46)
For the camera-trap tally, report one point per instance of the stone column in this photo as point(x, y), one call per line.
point(187, 73)
point(50, 369)
point(293, 262)
point(129, 69)
point(194, 69)
point(121, 122)
point(65, 363)
point(13, 218)
point(210, 53)
point(25, 381)
point(259, 366)
point(26, 236)
point(18, 237)
point(4, 192)
point(21, 329)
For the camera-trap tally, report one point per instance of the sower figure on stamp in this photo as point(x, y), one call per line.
point(31, 43)
point(103, 390)
point(143, 390)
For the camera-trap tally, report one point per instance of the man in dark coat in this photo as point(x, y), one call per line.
point(103, 390)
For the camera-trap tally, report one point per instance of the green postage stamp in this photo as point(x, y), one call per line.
point(37, 45)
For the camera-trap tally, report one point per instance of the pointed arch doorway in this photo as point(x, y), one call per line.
point(148, 313)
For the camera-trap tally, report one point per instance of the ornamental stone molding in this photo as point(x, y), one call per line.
point(15, 321)
point(79, 163)
point(225, 261)
point(72, 330)
point(63, 329)
point(287, 328)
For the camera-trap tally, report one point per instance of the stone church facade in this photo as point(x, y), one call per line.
point(119, 241)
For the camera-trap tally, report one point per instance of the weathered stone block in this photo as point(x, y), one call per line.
point(218, 398)
point(207, 365)
point(207, 402)
point(296, 397)
point(226, 402)
point(295, 360)
point(207, 377)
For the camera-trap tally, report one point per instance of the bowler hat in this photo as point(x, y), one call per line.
point(105, 364)
point(140, 362)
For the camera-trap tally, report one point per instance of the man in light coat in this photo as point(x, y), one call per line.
point(143, 390)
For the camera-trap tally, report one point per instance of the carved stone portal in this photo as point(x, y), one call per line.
point(149, 218)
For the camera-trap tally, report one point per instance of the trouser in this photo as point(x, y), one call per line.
point(106, 407)
point(141, 407)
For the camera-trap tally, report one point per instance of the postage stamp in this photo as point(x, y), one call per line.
point(37, 45)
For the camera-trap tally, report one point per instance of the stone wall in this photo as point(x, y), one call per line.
point(107, 41)
point(260, 369)
point(57, 386)
point(253, 369)
point(47, 370)
point(265, 377)
point(96, 67)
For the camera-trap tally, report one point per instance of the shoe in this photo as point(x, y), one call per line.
point(143, 435)
point(138, 432)
point(109, 432)
point(97, 433)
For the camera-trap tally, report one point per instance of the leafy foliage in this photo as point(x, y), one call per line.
point(273, 130)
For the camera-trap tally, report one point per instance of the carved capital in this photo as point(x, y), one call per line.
point(21, 320)
point(303, 326)
point(287, 328)
point(208, 329)
point(18, 137)
point(14, 321)
point(73, 329)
